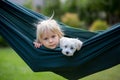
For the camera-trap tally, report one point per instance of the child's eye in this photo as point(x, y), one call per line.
point(45, 38)
point(53, 36)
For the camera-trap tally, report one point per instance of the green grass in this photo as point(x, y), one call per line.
point(12, 67)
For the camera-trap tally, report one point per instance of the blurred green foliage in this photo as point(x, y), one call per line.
point(71, 19)
point(28, 4)
point(88, 10)
point(50, 6)
point(98, 25)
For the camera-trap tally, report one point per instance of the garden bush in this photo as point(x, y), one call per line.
point(98, 25)
point(71, 19)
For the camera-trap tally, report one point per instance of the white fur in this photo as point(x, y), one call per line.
point(70, 45)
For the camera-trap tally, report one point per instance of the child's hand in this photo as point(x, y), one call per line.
point(37, 45)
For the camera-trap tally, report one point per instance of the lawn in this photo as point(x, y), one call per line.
point(12, 67)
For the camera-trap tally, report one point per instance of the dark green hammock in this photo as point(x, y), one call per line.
point(100, 50)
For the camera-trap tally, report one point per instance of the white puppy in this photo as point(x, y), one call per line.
point(70, 45)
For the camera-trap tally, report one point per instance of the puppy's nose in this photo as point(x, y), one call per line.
point(67, 52)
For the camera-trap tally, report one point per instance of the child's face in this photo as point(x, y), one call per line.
point(50, 39)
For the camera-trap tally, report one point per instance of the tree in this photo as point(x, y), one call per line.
point(50, 6)
point(89, 10)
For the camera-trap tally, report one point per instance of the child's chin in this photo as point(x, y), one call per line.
point(52, 47)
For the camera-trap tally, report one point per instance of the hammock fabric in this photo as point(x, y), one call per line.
point(100, 50)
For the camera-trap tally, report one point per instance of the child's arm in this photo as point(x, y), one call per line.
point(37, 44)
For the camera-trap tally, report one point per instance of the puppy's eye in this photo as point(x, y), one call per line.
point(65, 46)
point(71, 48)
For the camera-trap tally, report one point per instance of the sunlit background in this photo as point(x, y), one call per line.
point(87, 14)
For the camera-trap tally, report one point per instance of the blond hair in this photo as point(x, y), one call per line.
point(50, 25)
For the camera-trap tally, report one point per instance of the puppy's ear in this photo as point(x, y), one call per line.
point(78, 44)
point(62, 42)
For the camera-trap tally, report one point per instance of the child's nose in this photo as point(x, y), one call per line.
point(50, 40)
